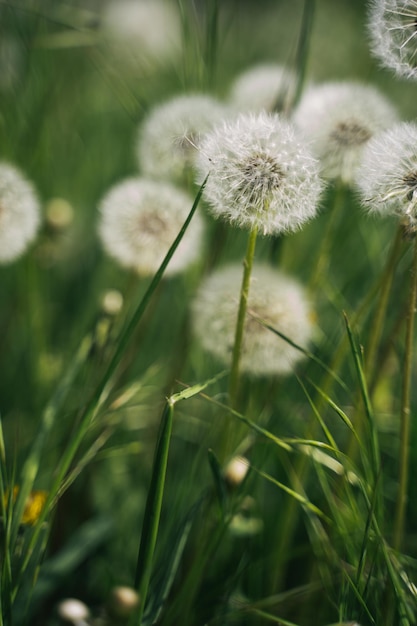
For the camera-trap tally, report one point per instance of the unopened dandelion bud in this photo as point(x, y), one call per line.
point(19, 213)
point(393, 35)
point(140, 220)
point(59, 214)
point(260, 174)
point(236, 471)
point(338, 119)
point(266, 87)
point(73, 611)
point(274, 299)
point(170, 136)
point(112, 302)
point(122, 602)
point(387, 177)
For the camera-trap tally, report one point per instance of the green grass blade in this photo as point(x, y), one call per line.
point(153, 510)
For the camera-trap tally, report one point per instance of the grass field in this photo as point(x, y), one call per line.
point(207, 298)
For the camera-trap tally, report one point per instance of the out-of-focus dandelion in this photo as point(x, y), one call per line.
point(59, 214)
point(139, 221)
point(265, 87)
point(274, 298)
point(338, 119)
point(19, 213)
point(236, 470)
point(142, 30)
point(122, 602)
point(261, 174)
point(387, 177)
point(393, 34)
point(169, 137)
point(73, 611)
point(112, 302)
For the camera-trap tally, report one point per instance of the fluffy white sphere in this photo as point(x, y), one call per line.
point(338, 119)
point(260, 174)
point(275, 298)
point(19, 213)
point(387, 177)
point(393, 33)
point(169, 137)
point(73, 610)
point(262, 88)
point(139, 221)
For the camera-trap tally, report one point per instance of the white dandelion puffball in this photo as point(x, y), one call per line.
point(148, 29)
point(73, 610)
point(393, 32)
point(170, 135)
point(262, 88)
point(260, 174)
point(387, 177)
point(19, 213)
point(338, 119)
point(139, 221)
point(274, 297)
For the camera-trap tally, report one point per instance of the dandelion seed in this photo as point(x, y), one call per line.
point(262, 88)
point(139, 221)
point(274, 298)
point(261, 174)
point(170, 136)
point(19, 213)
point(339, 119)
point(393, 33)
point(387, 177)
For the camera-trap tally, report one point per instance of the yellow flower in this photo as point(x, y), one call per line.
point(33, 506)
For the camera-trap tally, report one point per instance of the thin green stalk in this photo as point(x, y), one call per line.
point(240, 325)
point(322, 259)
point(302, 54)
point(153, 510)
point(212, 40)
point(405, 410)
point(381, 306)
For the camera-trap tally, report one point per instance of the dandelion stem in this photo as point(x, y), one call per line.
point(405, 410)
point(381, 306)
point(244, 292)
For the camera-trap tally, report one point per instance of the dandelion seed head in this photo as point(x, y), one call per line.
point(73, 610)
point(169, 137)
point(262, 88)
point(392, 28)
point(139, 221)
point(387, 177)
point(338, 119)
point(122, 602)
point(236, 470)
point(19, 213)
point(260, 174)
point(275, 298)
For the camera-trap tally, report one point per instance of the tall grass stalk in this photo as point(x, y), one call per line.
point(381, 305)
point(404, 451)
